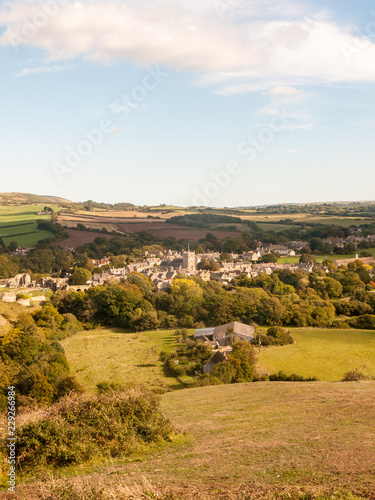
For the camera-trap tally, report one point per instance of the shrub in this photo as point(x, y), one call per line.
point(79, 428)
point(3, 402)
point(366, 322)
point(355, 376)
point(340, 324)
point(181, 335)
point(276, 335)
point(283, 377)
point(275, 331)
point(103, 387)
point(224, 371)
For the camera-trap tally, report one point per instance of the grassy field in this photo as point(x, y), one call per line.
point(18, 223)
point(326, 354)
point(307, 219)
point(263, 441)
point(320, 258)
point(116, 356)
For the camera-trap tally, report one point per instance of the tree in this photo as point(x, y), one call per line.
point(243, 359)
point(187, 295)
point(141, 282)
point(269, 258)
point(349, 248)
point(317, 245)
point(8, 267)
point(48, 317)
point(80, 276)
point(13, 245)
point(307, 259)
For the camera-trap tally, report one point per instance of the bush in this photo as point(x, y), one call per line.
point(355, 376)
point(224, 371)
point(340, 324)
point(283, 377)
point(276, 335)
point(103, 387)
point(365, 322)
point(275, 331)
point(3, 402)
point(78, 428)
point(181, 335)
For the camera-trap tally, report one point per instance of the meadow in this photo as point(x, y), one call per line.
point(19, 223)
point(326, 354)
point(119, 357)
point(321, 258)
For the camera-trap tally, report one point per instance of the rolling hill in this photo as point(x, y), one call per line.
point(28, 198)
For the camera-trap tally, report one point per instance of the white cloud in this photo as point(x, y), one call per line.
point(260, 46)
point(284, 91)
point(42, 69)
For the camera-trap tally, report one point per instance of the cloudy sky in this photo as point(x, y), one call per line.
point(190, 102)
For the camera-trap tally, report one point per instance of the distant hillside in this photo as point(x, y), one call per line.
point(27, 198)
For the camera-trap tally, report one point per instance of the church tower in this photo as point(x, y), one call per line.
point(189, 261)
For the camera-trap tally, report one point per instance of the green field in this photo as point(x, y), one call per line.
point(320, 258)
point(326, 354)
point(18, 223)
point(116, 356)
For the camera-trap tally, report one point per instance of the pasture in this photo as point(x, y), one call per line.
point(19, 223)
point(321, 258)
point(119, 357)
point(326, 354)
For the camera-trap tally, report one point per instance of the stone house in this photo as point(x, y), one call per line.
point(19, 281)
point(219, 333)
point(218, 357)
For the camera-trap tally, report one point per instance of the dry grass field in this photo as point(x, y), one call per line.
point(267, 440)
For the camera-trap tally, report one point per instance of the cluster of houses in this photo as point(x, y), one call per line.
point(162, 269)
point(355, 240)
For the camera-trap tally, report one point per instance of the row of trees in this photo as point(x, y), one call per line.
point(284, 298)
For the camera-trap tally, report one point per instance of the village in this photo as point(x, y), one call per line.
point(161, 268)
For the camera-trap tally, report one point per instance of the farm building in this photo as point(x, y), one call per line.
point(21, 280)
point(219, 333)
point(216, 358)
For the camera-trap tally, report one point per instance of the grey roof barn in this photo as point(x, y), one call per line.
point(219, 333)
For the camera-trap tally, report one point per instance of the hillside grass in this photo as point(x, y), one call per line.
point(326, 354)
point(19, 223)
point(266, 440)
point(120, 357)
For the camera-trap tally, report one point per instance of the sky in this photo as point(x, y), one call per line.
point(220, 103)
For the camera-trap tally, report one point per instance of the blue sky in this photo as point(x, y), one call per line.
point(216, 102)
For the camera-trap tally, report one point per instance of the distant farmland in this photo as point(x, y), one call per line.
point(132, 225)
point(19, 223)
